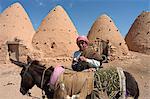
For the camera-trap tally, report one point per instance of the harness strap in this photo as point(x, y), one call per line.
point(43, 95)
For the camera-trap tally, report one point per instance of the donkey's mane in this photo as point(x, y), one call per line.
point(36, 62)
point(37, 66)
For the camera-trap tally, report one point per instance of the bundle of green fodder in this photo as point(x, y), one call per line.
point(109, 81)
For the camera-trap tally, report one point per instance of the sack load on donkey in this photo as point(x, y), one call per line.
point(102, 47)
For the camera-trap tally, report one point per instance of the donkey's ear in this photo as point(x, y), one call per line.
point(28, 59)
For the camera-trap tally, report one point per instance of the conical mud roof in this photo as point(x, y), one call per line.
point(138, 37)
point(15, 23)
point(105, 29)
point(56, 36)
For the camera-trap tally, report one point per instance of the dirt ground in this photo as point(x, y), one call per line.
point(138, 66)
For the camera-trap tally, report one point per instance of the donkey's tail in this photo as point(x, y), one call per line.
point(138, 93)
point(131, 85)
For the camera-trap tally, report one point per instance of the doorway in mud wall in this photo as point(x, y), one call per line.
point(13, 50)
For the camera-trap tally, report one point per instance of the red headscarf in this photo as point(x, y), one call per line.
point(83, 38)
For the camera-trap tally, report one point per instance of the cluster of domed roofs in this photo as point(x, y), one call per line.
point(55, 39)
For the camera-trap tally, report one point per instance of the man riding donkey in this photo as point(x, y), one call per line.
point(80, 84)
point(58, 83)
point(86, 57)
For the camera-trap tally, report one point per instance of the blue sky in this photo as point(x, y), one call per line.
point(83, 13)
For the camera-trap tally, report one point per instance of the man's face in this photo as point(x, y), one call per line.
point(82, 45)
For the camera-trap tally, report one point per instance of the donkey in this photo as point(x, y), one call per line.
point(32, 74)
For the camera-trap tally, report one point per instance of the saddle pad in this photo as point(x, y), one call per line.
point(58, 70)
point(76, 82)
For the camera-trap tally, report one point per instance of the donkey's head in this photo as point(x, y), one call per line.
point(27, 81)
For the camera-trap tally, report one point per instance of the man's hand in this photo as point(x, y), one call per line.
point(82, 58)
point(75, 59)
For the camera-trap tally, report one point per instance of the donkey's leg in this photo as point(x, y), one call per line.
point(75, 96)
point(61, 92)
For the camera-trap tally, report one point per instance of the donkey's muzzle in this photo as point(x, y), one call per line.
point(23, 91)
